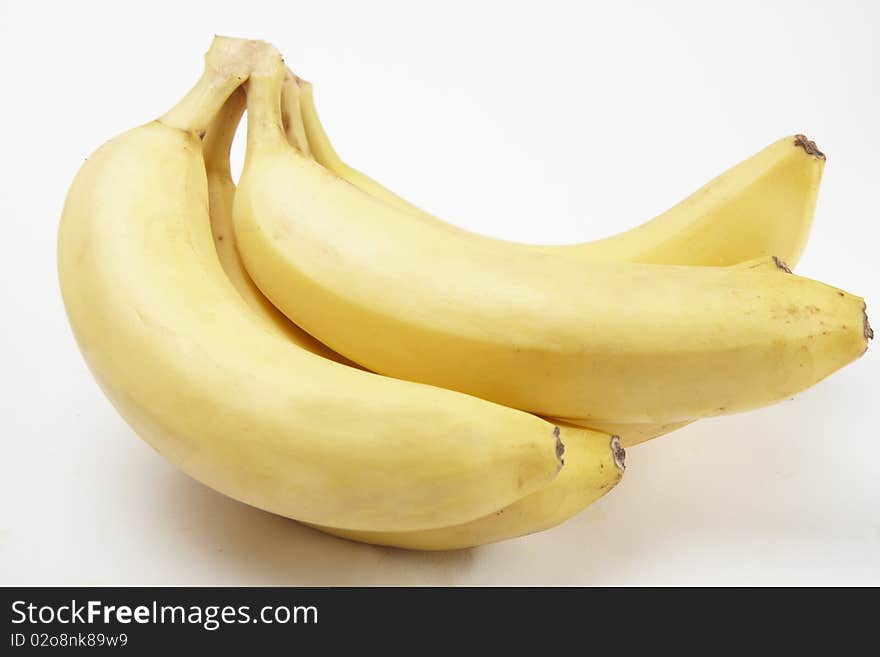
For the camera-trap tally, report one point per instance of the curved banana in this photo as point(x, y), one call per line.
point(796, 203)
point(634, 433)
point(763, 206)
point(594, 462)
point(591, 470)
point(630, 434)
point(796, 161)
point(541, 331)
point(220, 184)
point(231, 402)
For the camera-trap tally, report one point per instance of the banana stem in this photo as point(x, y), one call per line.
point(322, 147)
point(228, 63)
point(291, 113)
point(221, 133)
point(265, 125)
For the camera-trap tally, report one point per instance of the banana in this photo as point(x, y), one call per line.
point(630, 434)
point(591, 470)
point(594, 462)
point(224, 396)
point(634, 433)
point(763, 206)
point(538, 330)
point(795, 161)
point(796, 203)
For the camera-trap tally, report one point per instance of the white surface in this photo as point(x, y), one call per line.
point(513, 119)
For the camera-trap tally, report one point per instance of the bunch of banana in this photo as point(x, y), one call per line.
point(313, 345)
point(760, 207)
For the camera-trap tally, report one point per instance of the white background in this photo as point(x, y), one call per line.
point(546, 122)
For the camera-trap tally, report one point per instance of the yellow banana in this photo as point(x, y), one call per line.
point(221, 394)
point(634, 433)
point(630, 433)
point(591, 470)
point(761, 207)
point(544, 331)
point(594, 462)
point(796, 162)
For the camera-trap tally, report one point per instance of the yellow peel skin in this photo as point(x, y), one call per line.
point(542, 331)
point(630, 433)
point(221, 191)
point(221, 219)
point(229, 400)
point(593, 466)
point(763, 206)
point(705, 243)
point(220, 185)
point(634, 433)
point(594, 462)
point(778, 187)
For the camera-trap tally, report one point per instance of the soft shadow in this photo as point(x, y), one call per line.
point(764, 489)
point(259, 548)
point(756, 488)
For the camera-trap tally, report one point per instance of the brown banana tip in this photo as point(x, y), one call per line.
point(560, 447)
point(780, 264)
point(619, 453)
point(809, 146)
point(869, 332)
